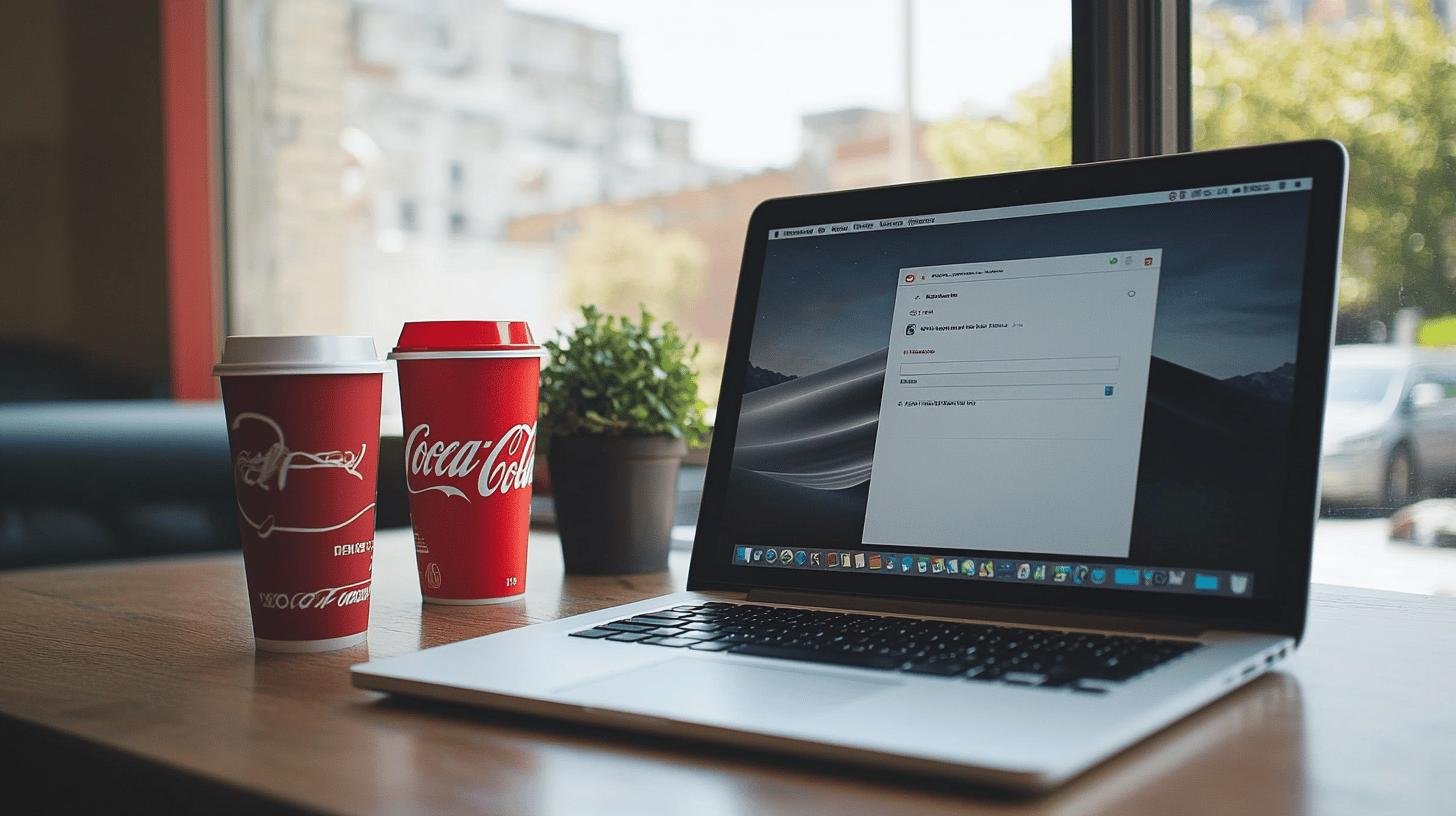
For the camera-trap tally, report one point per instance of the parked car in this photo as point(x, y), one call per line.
point(1390, 425)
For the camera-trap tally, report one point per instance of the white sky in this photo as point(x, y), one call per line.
point(744, 70)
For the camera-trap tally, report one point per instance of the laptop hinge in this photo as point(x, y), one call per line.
point(997, 614)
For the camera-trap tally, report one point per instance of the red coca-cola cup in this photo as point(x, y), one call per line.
point(303, 425)
point(468, 390)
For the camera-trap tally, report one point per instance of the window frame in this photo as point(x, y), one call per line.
point(1131, 79)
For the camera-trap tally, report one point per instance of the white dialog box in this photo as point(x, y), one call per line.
point(1012, 412)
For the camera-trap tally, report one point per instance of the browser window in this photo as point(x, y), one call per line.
point(1033, 369)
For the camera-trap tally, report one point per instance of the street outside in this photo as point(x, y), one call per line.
point(1359, 552)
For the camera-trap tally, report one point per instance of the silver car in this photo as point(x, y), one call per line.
point(1390, 426)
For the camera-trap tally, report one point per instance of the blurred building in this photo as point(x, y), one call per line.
point(399, 138)
point(850, 147)
point(715, 214)
point(855, 147)
point(466, 114)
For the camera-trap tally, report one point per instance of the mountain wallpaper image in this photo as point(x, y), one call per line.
point(1211, 472)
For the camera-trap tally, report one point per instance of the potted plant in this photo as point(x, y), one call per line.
point(619, 406)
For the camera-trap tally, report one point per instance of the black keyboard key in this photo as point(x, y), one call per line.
point(624, 627)
point(861, 660)
point(629, 637)
point(701, 635)
point(711, 646)
point(675, 643)
point(701, 627)
point(645, 620)
point(944, 668)
point(984, 673)
point(592, 633)
point(1113, 669)
point(666, 631)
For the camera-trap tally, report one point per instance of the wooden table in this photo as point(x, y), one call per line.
point(141, 678)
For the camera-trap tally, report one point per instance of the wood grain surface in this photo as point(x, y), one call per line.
point(150, 666)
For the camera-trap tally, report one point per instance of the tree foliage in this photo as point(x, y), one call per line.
point(1384, 85)
point(621, 262)
point(1036, 132)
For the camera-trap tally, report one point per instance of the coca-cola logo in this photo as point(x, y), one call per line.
point(340, 596)
point(498, 466)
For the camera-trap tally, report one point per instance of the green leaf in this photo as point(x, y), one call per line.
point(611, 375)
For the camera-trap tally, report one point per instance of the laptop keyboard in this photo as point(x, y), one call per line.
point(1079, 661)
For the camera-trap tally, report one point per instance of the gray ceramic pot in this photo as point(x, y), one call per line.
point(615, 497)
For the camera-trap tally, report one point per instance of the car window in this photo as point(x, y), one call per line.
point(1359, 385)
point(1444, 378)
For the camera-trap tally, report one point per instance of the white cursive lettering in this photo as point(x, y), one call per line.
point(518, 443)
point(341, 596)
point(509, 464)
point(259, 468)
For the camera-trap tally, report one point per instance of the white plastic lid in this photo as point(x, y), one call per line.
point(258, 355)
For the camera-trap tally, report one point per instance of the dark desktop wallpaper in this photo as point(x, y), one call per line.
point(1211, 473)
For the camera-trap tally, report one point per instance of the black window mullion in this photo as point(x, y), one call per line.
point(1130, 78)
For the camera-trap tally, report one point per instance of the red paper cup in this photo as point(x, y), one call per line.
point(303, 425)
point(468, 390)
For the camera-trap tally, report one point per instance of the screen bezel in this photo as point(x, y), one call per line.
point(1281, 611)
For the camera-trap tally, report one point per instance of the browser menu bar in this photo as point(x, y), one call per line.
point(1175, 196)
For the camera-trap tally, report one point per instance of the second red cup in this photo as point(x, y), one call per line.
point(468, 390)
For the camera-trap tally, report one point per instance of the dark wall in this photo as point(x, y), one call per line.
point(82, 231)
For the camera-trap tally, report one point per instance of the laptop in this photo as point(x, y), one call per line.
point(1008, 473)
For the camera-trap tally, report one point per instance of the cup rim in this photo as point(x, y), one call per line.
point(538, 353)
point(272, 354)
point(276, 369)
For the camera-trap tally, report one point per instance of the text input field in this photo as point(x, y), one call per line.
point(1012, 366)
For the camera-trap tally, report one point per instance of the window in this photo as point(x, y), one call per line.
point(1380, 77)
point(1016, 343)
point(391, 161)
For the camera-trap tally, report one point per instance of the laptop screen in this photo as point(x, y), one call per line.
point(1093, 393)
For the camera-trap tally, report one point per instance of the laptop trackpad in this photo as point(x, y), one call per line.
point(714, 689)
